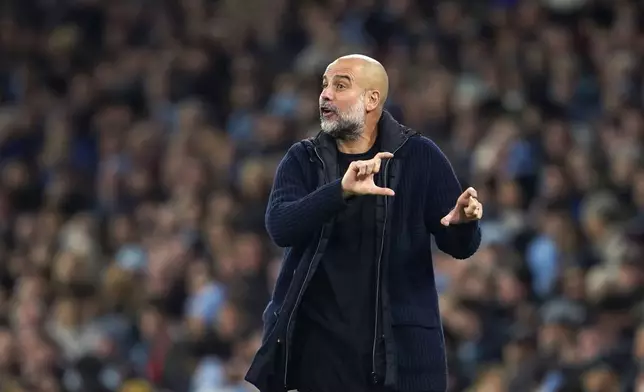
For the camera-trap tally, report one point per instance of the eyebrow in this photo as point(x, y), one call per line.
point(343, 77)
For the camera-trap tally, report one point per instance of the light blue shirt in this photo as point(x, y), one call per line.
point(207, 303)
point(542, 258)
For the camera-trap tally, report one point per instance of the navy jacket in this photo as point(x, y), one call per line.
point(306, 196)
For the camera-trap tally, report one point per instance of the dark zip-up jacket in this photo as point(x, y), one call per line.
point(305, 198)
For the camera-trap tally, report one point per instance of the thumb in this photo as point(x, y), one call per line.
point(447, 218)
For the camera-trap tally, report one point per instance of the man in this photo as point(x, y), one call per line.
point(355, 306)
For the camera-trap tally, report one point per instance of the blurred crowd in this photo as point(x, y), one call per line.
point(139, 138)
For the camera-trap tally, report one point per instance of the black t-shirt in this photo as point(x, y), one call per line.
point(335, 329)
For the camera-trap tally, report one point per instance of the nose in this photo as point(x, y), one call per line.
point(326, 95)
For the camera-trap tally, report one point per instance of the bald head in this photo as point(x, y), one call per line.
point(368, 72)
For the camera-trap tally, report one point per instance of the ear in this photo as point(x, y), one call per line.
point(373, 100)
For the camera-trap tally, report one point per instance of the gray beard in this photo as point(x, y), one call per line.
point(343, 130)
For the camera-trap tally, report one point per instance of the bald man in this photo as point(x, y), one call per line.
point(355, 307)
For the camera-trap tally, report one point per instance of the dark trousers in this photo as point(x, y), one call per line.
point(323, 362)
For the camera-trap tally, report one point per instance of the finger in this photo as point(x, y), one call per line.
point(355, 166)
point(470, 210)
point(384, 155)
point(377, 160)
point(376, 190)
point(476, 213)
point(465, 197)
point(447, 218)
point(479, 212)
point(363, 169)
point(376, 166)
point(369, 167)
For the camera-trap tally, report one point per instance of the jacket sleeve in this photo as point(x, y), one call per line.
point(293, 213)
point(459, 241)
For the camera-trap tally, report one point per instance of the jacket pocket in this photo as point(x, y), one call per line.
point(267, 369)
point(421, 359)
point(270, 326)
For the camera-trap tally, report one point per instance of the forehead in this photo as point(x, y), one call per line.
point(342, 68)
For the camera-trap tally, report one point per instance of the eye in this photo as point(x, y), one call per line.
point(341, 86)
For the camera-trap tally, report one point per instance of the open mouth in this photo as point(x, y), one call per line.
point(326, 112)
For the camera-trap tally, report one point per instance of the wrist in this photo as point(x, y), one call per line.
point(345, 193)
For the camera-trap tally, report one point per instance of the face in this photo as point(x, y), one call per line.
point(342, 102)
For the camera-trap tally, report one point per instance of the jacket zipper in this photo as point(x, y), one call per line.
point(374, 370)
point(301, 292)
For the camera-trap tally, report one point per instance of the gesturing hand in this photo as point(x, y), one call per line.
point(467, 209)
point(358, 180)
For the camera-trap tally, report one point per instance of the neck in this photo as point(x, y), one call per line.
point(366, 140)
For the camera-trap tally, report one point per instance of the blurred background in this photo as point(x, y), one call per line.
point(139, 139)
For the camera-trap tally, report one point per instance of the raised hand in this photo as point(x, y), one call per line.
point(358, 180)
point(467, 209)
